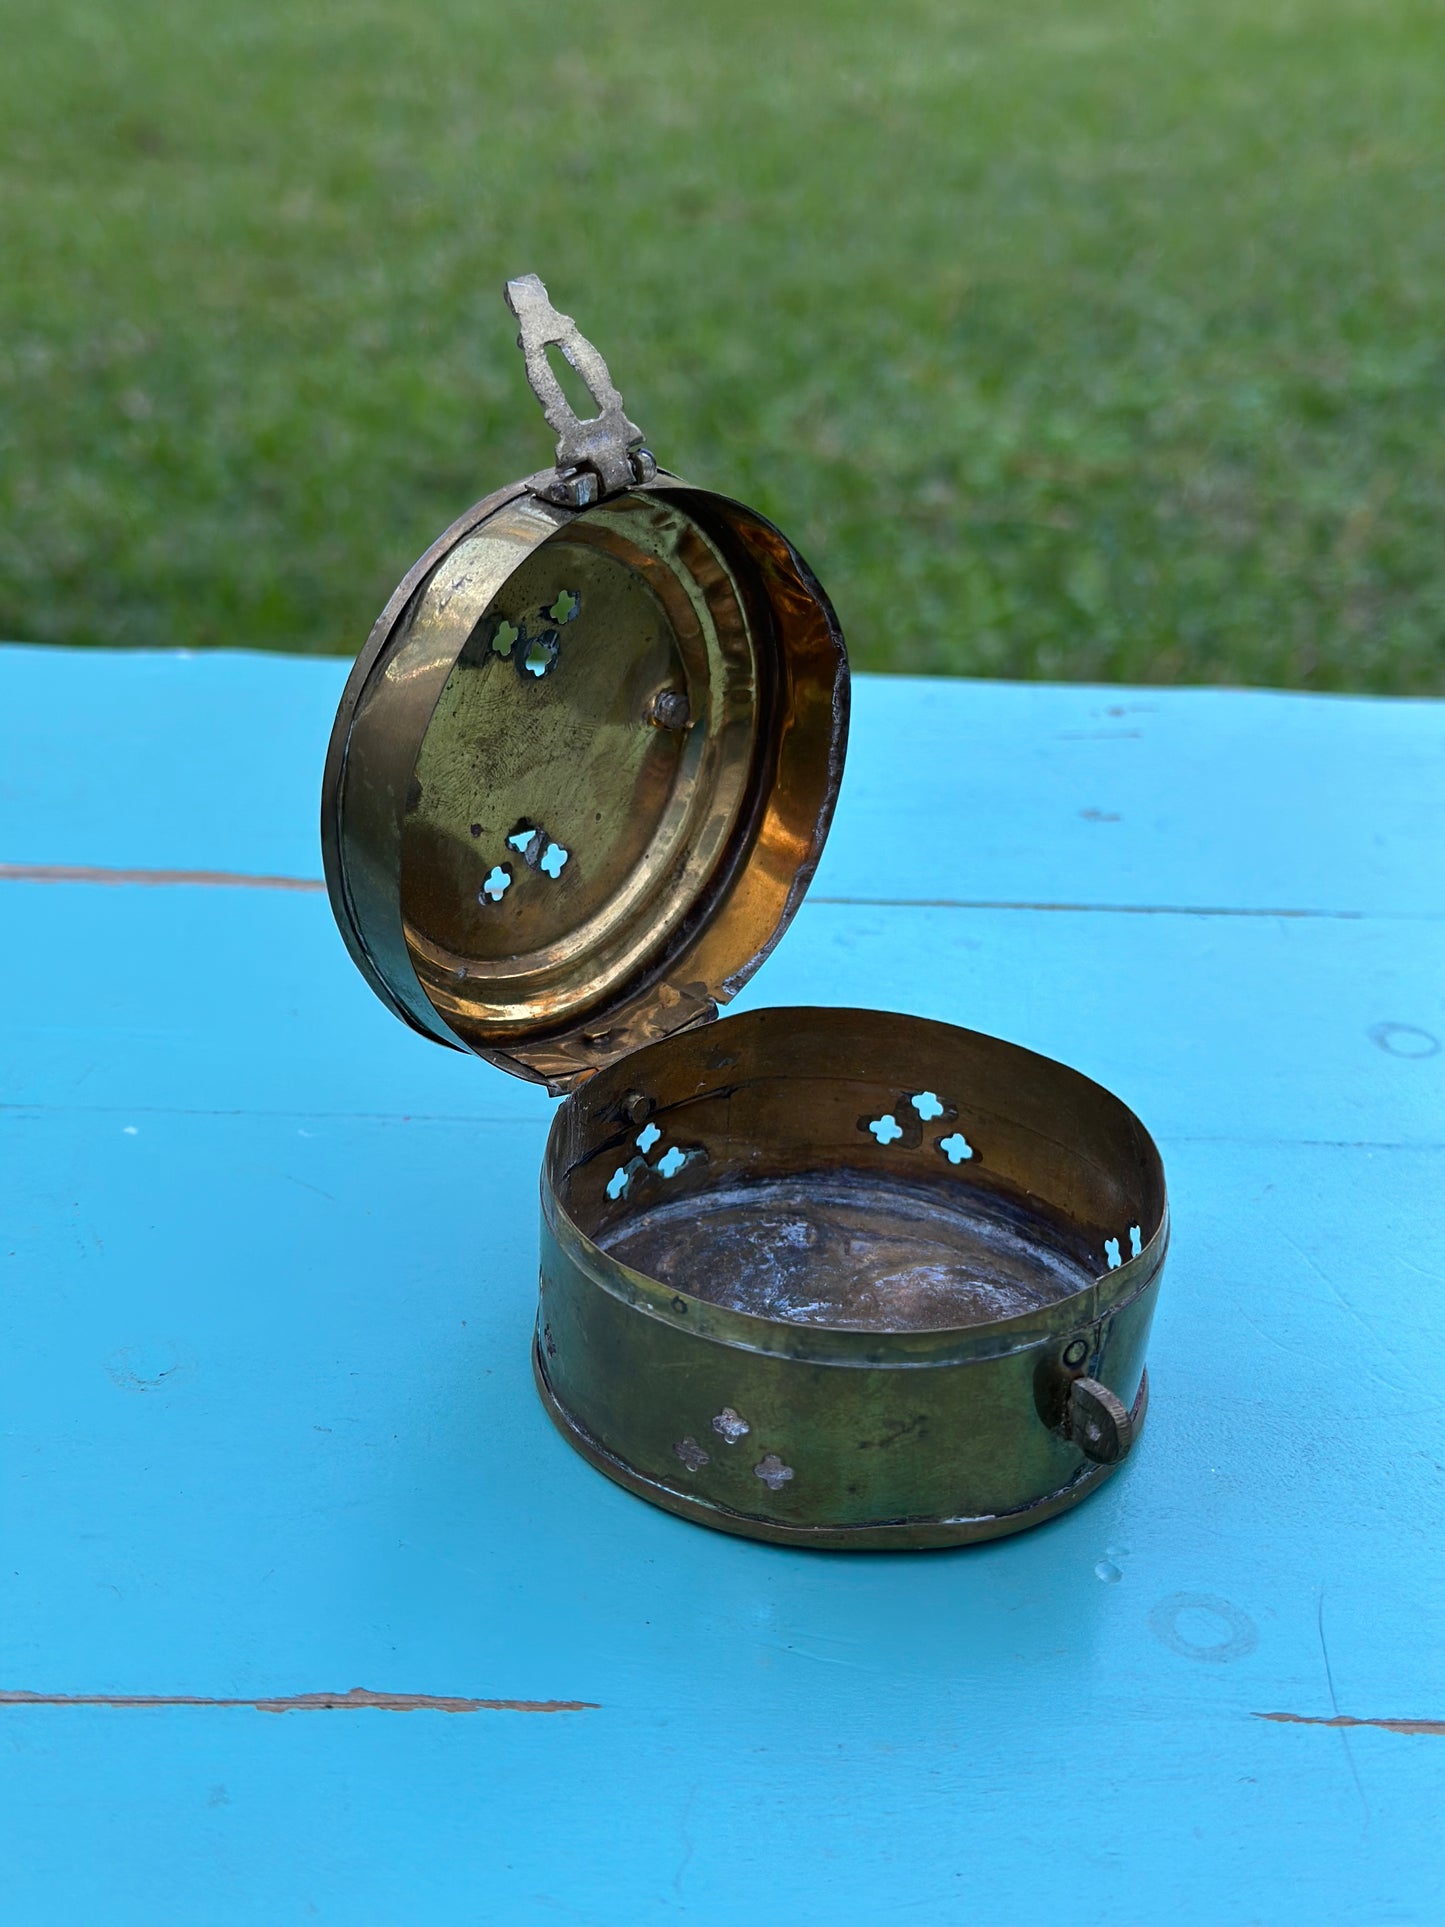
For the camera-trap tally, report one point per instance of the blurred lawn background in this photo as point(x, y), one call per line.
point(1068, 338)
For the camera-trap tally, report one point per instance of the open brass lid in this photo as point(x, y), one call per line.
point(582, 772)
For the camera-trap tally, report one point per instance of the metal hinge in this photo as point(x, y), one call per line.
point(600, 456)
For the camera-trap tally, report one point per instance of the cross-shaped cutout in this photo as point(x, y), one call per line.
point(927, 1105)
point(1111, 1252)
point(773, 1473)
point(886, 1129)
point(506, 635)
point(620, 1183)
point(671, 1162)
point(1136, 1241)
point(541, 653)
point(956, 1149)
point(565, 608)
point(553, 857)
point(647, 1137)
point(497, 884)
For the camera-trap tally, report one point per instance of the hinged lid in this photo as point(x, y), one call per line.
point(582, 771)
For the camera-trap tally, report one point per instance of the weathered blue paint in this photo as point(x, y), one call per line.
point(270, 1429)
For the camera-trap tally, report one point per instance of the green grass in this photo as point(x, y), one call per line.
point(1068, 338)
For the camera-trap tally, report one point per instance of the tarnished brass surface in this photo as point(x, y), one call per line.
point(583, 770)
point(922, 1351)
point(831, 1278)
point(582, 783)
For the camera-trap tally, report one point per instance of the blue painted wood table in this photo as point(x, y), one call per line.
point(271, 1434)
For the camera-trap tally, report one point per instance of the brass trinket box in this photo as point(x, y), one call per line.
point(832, 1278)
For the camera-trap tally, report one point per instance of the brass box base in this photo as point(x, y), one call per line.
point(848, 1279)
point(891, 1535)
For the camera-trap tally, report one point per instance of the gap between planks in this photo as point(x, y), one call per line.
point(245, 880)
point(363, 1699)
point(1434, 1728)
point(358, 1699)
point(214, 879)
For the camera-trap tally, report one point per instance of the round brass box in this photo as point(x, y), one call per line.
point(843, 1278)
point(832, 1278)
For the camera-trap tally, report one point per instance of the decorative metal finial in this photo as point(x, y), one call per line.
point(595, 457)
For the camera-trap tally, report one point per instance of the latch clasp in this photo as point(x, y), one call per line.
point(599, 456)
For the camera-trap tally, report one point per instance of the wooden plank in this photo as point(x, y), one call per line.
point(1249, 801)
point(1210, 1027)
point(959, 791)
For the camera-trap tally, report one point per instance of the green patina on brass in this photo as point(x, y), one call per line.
point(922, 1435)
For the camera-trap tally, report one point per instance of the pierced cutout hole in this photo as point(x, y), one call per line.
point(671, 1162)
point(886, 1129)
point(496, 885)
point(565, 608)
point(1111, 1252)
point(927, 1105)
point(619, 1185)
point(580, 398)
point(523, 838)
point(647, 1137)
point(956, 1148)
point(540, 655)
point(552, 860)
point(506, 637)
point(773, 1473)
point(691, 1454)
point(1136, 1241)
point(730, 1425)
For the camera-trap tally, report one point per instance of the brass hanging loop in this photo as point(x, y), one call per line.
point(596, 457)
